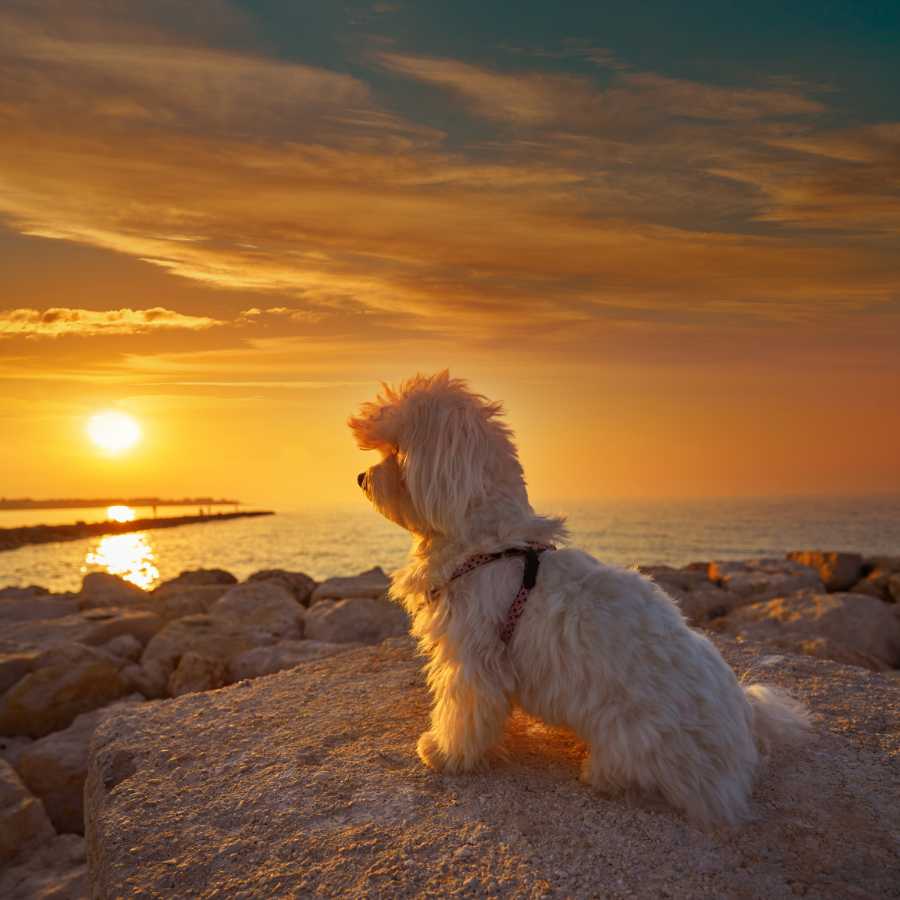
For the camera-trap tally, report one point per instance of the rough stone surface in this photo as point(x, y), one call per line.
point(371, 583)
point(103, 589)
point(54, 768)
point(125, 646)
point(55, 870)
point(283, 655)
point(894, 588)
point(266, 605)
point(23, 821)
point(298, 583)
point(14, 666)
point(26, 604)
point(19, 592)
point(76, 679)
point(184, 600)
point(762, 579)
point(698, 598)
point(306, 783)
point(92, 626)
point(11, 748)
point(875, 584)
point(105, 623)
point(890, 563)
point(705, 604)
point(196, 672)
point(363, 620)
point(210, 637)
point(850, 628)
point(838, 571)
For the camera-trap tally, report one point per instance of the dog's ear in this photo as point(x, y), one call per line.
point(443, 455)
point(379, 422)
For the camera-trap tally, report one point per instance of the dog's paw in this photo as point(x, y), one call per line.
point(592, 775)
point(430, 753)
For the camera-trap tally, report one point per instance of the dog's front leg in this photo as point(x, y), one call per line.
point(466, 721)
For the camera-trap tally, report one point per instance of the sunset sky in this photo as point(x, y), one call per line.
point(667, 235)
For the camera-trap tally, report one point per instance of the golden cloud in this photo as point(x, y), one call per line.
point(59, 321)
point(653, 198)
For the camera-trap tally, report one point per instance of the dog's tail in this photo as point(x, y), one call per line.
point(777, 717)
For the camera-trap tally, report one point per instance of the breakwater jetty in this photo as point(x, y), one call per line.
point(12, 538)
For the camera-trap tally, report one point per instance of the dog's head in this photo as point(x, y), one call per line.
point(446, 455)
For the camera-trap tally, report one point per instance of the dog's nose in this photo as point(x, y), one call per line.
point(361, 478)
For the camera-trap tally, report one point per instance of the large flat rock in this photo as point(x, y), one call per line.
point(306, 783)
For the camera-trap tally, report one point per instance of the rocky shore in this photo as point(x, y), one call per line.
point(13, 538)
point(258, 739)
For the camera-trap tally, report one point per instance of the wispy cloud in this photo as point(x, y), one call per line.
point(59, 321)
point(645, 199)
point(529, 98)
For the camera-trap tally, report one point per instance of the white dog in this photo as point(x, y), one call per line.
point(598, 649)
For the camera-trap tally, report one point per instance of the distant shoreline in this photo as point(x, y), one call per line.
point(13, 538)
point(19, 503)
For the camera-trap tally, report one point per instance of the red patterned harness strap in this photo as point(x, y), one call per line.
point(531, 553)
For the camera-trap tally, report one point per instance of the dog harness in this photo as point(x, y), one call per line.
point(532, 554)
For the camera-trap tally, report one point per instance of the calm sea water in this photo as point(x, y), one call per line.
point(345, 541)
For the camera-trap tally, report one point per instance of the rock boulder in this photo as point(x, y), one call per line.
point(266, 605)
point(27, 604)
point(54, 870)
point(194, 577)
point(838, 571)
point(103, 589)
point(283, 655)
point(371, 583)
point(762, 579)
point(298, 583)
point(73, 679)
point(196, 672)
point(54, 768)
point(184, 600)
point(209, 637)
point(23, 821)
point(306, 783)
point(363, 620)
point(850, 628)
point(94, 627)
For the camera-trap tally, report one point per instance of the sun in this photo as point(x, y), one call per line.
point(113, 432)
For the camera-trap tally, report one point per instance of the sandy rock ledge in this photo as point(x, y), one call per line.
point(306, 783)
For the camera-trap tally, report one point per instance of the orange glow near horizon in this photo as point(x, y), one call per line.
point(681, 280)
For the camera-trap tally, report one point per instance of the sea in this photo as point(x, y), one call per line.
point(344, 541)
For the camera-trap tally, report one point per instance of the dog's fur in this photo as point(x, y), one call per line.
point(599, 649)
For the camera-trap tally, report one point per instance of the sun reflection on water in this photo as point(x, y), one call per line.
point(130, 556)
point(120, 513)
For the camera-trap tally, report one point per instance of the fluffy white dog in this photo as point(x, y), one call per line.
point(598, 649)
